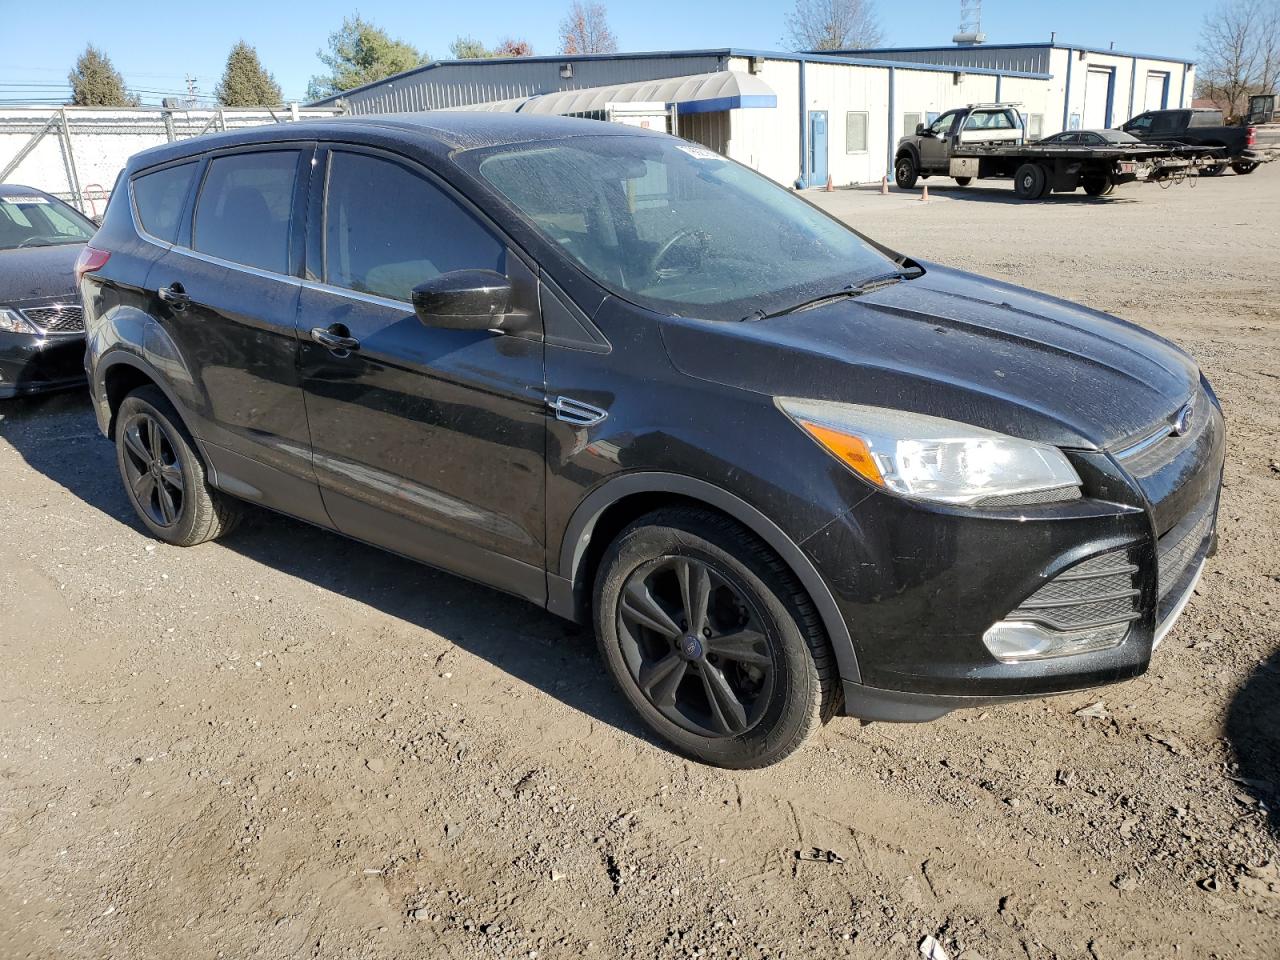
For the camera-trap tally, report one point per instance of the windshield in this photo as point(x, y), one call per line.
point(33, 220)
point(677, 227)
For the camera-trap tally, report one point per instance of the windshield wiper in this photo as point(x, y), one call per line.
point(852, 290)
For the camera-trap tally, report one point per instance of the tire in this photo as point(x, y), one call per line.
point(1213, 170)
point(964, 181)
point(1098, 186)
point(1244, 167)
point(746, 690)
point(905, 172)
point(1030, 182)
point(164, 476)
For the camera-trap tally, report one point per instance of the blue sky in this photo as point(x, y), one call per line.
point(155, 44)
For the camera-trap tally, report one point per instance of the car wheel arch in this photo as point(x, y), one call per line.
point(610, 507)
point(120, 372)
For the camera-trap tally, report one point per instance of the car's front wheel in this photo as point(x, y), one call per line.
point(712, 639)
point(163, 474)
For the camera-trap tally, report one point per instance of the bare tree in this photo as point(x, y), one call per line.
point(1239, 52)
point(586, 30)
point(834, 25)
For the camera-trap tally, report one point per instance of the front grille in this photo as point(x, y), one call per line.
point(58, 318)
point(1178, 548)
point(1098, 593)
point(1054, 495)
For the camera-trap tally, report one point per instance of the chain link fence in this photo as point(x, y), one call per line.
point(75, 153)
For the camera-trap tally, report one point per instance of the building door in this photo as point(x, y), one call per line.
point(1157, 91)
point(1097, 98)
point(817, 148)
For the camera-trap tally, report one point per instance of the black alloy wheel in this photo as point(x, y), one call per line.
point(163, 474)
point(152, 469)
point(695, 646)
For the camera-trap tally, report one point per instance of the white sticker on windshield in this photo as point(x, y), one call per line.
point(24, 199)
point(698, 153)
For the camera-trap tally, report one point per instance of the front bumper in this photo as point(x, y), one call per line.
point(32, 363)
point(920, 585)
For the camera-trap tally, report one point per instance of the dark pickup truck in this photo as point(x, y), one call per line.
point(1240, 147)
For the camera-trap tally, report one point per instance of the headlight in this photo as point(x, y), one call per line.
point(931, 458)
point(12, 322)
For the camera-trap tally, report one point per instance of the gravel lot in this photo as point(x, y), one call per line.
point(290, 745)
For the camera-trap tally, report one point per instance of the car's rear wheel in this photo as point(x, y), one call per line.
point(163, 474)
point(1244, 167)
point(1098, 186)
point(964, 181)
point(712, 639)
point(1030, 182)
point(905, 172)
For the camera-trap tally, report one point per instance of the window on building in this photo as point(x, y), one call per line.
point(244, 208)
point(159, 198)
point(855, 132)
point(910, 121)
point(388, 229)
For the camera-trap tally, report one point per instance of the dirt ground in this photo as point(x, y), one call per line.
point(289, 745)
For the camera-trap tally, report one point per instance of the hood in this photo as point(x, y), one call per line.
point(951, 344)
point(33, 273)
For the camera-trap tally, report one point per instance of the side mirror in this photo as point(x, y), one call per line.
point(463, 300)
point(921, 130)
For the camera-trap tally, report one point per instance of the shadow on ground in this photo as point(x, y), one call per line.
point(57, 435)
point(1253, 732)
point(1005, 194)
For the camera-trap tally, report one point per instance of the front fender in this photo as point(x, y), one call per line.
point(565, 591)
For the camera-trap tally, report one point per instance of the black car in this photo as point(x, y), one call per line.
point(1091, 138)
point(41, 324)
point(785, 471)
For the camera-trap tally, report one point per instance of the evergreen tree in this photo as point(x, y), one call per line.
point(361, 53)
point(245, 83)
point(96, 83)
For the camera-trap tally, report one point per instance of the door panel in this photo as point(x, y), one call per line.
point(428, 441)
point(817, 147)
point(233, 325)
point(1097, 99)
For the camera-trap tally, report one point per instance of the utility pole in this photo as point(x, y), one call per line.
point(193, 92)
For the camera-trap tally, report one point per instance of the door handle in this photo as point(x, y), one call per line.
point(175, 295)
point(335, 339)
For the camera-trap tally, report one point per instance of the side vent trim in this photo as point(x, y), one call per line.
point(576, 412)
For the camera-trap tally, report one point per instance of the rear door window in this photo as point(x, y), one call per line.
point(159, 197)
point(245, 207)
point(388, 229)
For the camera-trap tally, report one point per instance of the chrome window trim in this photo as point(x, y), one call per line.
point(372, 298)
point(233, 265)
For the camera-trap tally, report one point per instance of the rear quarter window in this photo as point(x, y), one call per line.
point(244, 209)
point(159, 197)
point(1206, 120)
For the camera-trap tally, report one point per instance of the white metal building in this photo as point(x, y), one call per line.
point(802, 118)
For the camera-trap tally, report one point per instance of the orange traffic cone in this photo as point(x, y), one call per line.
point(829, 188)
point(924, 194)
point(884, 186)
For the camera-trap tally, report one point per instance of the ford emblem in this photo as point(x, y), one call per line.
point(1182, 422)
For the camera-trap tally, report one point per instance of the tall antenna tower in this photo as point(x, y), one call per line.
point(970, 32)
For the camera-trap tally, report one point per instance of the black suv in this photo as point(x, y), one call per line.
point(784, 471)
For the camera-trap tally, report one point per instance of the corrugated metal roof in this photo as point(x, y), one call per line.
point(700, 93)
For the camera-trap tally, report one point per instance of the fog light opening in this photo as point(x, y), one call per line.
point(1017, 641)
